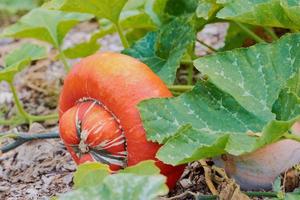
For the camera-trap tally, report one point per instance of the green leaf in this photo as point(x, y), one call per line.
point(206, 9)
point(162, 50)
point(108, 9)
point(181, 7)
point(277, 185)
point(90, 174)
point(122, 187)
point(235, 37)
point(254, 76)
point(201, 123)
point(131, 21)
point(46, 25)
point(287, 106)
point(273, 13)
point(295, 195)
point(246, 104)
point(17, 60)
point(142, 168)
point(82, 49)
point(13, 6)
point(130, 183)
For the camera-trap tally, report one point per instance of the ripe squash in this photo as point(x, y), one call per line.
point(99, 119)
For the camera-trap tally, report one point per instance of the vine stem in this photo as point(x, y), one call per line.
point(37, 118)
point(207, 46)
point(271, 32)
point(63, 58)
point(249, 32)
point(292, 137)
point(261, 194)
point(122, 36)
point(190, 74)
point(18, 103)
point(214, 197)
point(28, 117)
point(182, 88)
point(21, 138)
point(13, 121)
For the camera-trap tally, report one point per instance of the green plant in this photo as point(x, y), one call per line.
point(142, 181)
point(246, 98)
point(15, 62)
point(47, 25)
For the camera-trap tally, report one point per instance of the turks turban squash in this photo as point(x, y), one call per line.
point(99, 120)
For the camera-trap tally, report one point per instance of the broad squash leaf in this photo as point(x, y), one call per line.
point(235, 37)
point(142, 168)
point(162, 50)
point(295, 195)
point(203, 121)
point(128, 184)
point(82, 49)
point(247, 103)
point(13, 6)
point(46, 25)
point(108, 9)
point(90, 174)
point(18, 59)
point(254, 76)
point(129, 20)
point(273, 13)
point(181, 7)
point(206, 8)
point(161, 11)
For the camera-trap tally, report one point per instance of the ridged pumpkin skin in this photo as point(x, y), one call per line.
point(110, 85)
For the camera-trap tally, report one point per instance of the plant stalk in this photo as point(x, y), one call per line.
point(18, 103)
point(122, 36)
point(63, 58)
point(190, 75)
point(292, 137)
point(28, 117)
point(37, 118)
point(182, 88)
point(22, 138)
point(207, 46)
point(271, 32)
point(249, 32)
point(261, 194)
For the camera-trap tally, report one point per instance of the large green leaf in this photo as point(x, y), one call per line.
point(128, 184)
point(204, 120)
point(235, 37)
point(254, 76)
point(274, 13)
point(90, 174)
point(18, 59)
point(206, 8)
point(108, 9)
point(142, 168)
point(82, 49)
point(14, 6)
point(181, 7)
point(247, 103)
point(129, 20)
point(162, 50)
point(47, 25)
point(287, 105)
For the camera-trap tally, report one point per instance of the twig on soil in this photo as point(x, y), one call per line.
point(207, 175)
point(21, 138)
point(195, 195)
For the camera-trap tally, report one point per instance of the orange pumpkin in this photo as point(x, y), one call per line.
point(99, 119)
